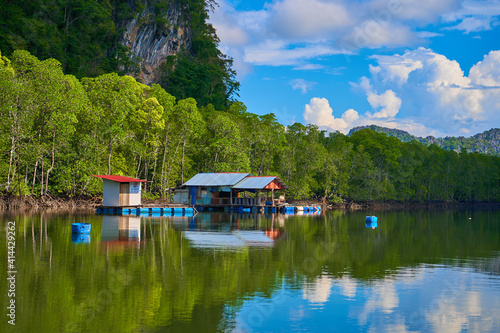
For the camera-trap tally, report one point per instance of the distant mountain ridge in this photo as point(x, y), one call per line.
point(487, 142)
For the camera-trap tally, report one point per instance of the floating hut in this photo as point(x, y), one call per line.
point(226, 189)
point(120, 191)
point(259, 184)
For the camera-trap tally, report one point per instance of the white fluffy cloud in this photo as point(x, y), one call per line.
point(386, 104)
point(487, 72)
point(319, 112)
point(295, 32)
point(428, 86)
point(436, 89)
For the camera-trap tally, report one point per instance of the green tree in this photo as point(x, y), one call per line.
point(114, 98)
point(54, 100)
point(189, 125)
point(224, 151)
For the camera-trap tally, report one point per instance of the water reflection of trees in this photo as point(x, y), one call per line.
point(89, 287)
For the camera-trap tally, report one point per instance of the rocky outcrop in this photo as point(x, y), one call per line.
point(151, 37)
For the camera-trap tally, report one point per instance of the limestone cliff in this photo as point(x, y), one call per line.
point(152, 35)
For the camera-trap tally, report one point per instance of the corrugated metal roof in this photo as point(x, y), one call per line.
point(216, 179)
point(258, 183)
point(254, 182)
point(120, 179)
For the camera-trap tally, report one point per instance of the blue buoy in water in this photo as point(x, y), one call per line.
point(371, 222)
point(80, 228)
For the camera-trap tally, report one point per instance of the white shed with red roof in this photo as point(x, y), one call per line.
point(120, 191)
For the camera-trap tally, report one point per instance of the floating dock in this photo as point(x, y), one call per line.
point(147, 211)
point(190, 211)
point(285, 209)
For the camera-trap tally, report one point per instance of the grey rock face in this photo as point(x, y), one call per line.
point(151, 39)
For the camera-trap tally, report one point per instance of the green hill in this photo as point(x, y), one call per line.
point(487, 142)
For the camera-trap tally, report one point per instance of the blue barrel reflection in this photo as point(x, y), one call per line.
point(80, 238)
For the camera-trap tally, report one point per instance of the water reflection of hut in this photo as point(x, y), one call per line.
point(228, 240)
point(121, 230)
point(273, 233)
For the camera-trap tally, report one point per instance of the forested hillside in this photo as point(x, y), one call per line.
point(56, 131)
point(156, 41)
point(487, 142)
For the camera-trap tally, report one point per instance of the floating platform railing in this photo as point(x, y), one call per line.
point(146, 211)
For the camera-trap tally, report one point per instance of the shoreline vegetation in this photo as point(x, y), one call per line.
point(16, 203)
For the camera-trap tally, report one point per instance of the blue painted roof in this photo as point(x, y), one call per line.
point(254, 182)
point(216, 179)
point(258, 183)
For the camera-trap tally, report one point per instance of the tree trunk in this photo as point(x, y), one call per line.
point(162, 180)
point(154, 169)
point(146, 167)
point(52, 162)
point(172, 161)
point(12, 149)
point(182, 160)
point(41, 183)
point(34, 177)
point(109, 155)
point(138, 167)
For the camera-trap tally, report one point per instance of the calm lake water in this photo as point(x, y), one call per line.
point(417, 271)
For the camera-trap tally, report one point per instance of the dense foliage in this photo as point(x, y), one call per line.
point(204, 73)
point(57, 131)
point(82, 35)
point(85, 37)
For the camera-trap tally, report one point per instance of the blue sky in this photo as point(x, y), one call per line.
point(425, 66)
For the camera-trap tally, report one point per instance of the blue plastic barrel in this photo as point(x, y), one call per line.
point(80, 228)
point(371, 219)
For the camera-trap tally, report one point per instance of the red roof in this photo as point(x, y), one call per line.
point(120, 179)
